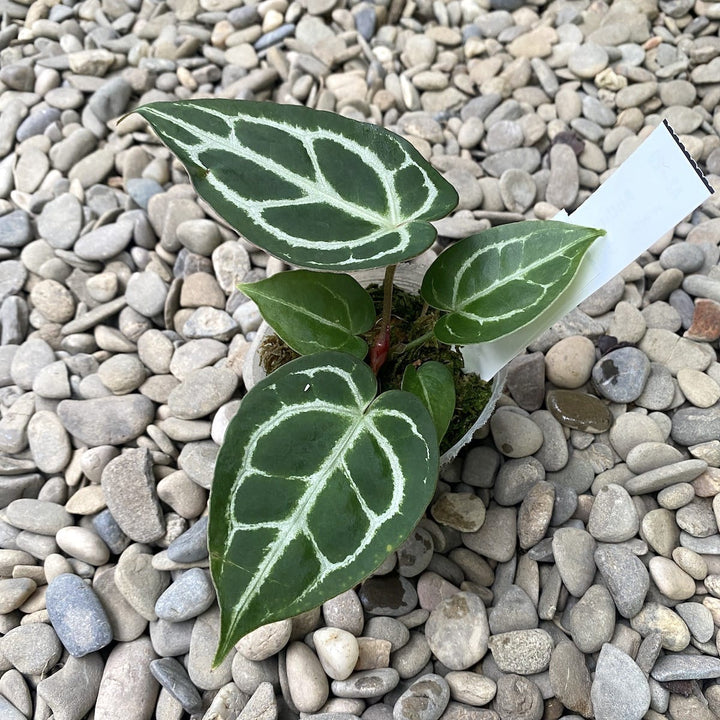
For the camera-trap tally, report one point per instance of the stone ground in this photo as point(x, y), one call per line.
point(573, 573)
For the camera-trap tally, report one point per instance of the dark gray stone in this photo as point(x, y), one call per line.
point(191, 546)
point(174, 678)
point(621, 375)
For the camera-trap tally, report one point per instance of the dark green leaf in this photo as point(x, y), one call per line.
point(433, 384)
point(498, 281)
point(314, 311)
point(316, 482)
point(313, 188)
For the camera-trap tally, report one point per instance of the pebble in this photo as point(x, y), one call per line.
point(366, 684)
point(190, 595)
point(626, 578)
point(613, 517)
point(573, 550)
point(306, 681)
point(685, 667)
point(425, 699)
point(579, 411)
point(127, 688)
point(620, 376)
point(70, 693)
point(569, 363)
point(518, 697)
point(658, 618)
point(569, 678)
point(523, 652)
point(77, 615)
point(337, 650)
point(515, 436)
point(611, 700)
point(458, 631)
point(174, 678)
point(32, 649)
point(591, 621)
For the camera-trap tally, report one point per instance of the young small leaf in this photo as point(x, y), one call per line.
point(316, 482)
point(314, 311)
point(498, 281)
point(433, 384)
point(316, 189)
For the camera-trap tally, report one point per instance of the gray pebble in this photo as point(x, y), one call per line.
point(171, 639)
point(191, 546)
point(621, 375)
point(569, 678)
point(203, 644)
point(33, 649)
point(626, 577)
point(425, 699)
point(366, 684)
point(15, 230)
point(518, 698)
point(71, 692)
point(612, 700)
point(189, 596)
point(130, 493)
point(523, 652)
point(174, 678)
point(77, 615)
point(573, 550)
point(679, 666)
point(613, 517)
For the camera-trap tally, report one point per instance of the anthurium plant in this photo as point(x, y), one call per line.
point(324, 471)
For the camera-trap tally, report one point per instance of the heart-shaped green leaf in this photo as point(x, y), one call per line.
point(433, 383)
point(313, 188)
point(498, 281)
point(316, 482)
point(314, 311)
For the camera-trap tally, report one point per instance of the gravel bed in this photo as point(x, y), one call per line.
point(570, 563)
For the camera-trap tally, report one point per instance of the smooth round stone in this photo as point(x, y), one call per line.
point(627, 323)
point(390, 629)
point(425, 699)
point(699, 620)
point(203, 644)
point(631, 429)
point(111, 420)
point(517, 190)
point(691, 562)
point(52, 382)
point(651, 455)
point(104, 243)
point(588, 60)
point(307, 683)
point(390, 595)
point(127, 689)
point(697, 518)
point(171, 639)
point(464, 512)
point(518, 697)
point(620, 376)
point(121, 374)
point(672, 582)
point(613, 517)
point(29, 359)
point(515, 435)
point(591, 621)
point(366, 684)
point(497, 538)
point(579, 411)
point(457, 631)
point(191, 546)
point(611, 700)
point(573, 550)
point(654, 617)
point(470, 688)
point(33, 649)
point(337, 650)
point(414, 655)
point(699, 389)
point(553, 455)
point(660, 478)
point(432, 589)
point(661, 531)
point(53, 300)
point(77, 615)
point(515, 478)
point(626, 578)
point(265, 641)
point(414, 555)
point(523, 652)
point(535, 514)
point(513, 611)
point(174, 678)
point(564, 181)
point(125, 622)
point(202, 392)
point(604, 299)
point(37, 516)
point(14, 592)
point(189, 596)
point(568, 363)
point(83, 544)
point(684, 256)
point(146, 293)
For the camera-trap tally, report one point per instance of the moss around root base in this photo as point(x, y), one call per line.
point(411, 319)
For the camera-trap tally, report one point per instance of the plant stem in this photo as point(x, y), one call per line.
point(387, 295)
point(417, 341)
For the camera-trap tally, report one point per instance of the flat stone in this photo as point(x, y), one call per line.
point(497, 538)
point(202, 392)
point(685, 667)
point(104, 243)
point(174, 678)
point(626, 578)
point(131, 496)
point(33, 649)
point(591, 620)
point(77, 615)
point(190, 595)
point(654, 617)
point(518, 697)
point(612, 700)
point(112, 420)
point(569, 678)
point(128, 690)
point(573, 550)
point(71, 692)
point(580, 411)
point(366, 684)
point(425, 699)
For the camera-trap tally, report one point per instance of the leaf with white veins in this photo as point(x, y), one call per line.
point(314, 311)
point(316, 482)
point(498, 281)
point(316, 189)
